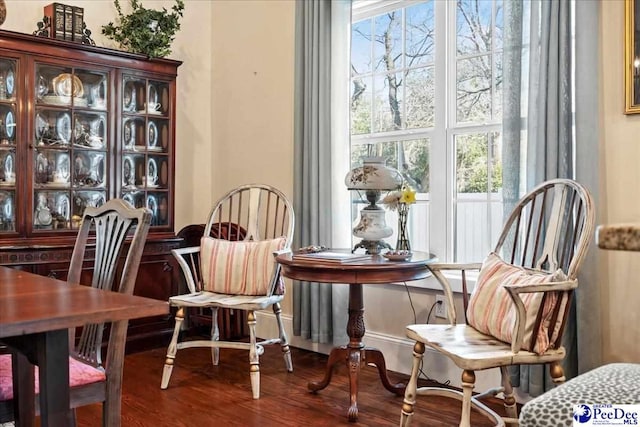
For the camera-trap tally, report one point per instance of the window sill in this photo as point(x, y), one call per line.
point(454, 277)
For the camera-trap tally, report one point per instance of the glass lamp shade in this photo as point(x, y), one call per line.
point(373, 175)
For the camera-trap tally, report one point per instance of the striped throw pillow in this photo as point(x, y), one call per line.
point(240, 267)
point(492, 311)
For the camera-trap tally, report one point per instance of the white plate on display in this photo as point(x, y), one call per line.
point(97, 127)
point(129, 136)
point(128, 171)
point(152, 135)
point(153, 95)
point(41, 126)
point(129, 199)
point(8, 164)
point(42, 87)
point(9, 83)
point(152, 204)
point(63, 205)
point(129, 97)
point(9, 124)
point(8, 208)
point(152, 171)
point(63, 128)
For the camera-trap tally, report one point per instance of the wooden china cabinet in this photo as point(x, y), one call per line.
point(80, 125)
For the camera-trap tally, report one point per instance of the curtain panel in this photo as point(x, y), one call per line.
point(539, 127)
point(321, 155)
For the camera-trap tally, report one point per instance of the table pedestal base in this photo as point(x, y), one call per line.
point(356, 355)
point(355, 358)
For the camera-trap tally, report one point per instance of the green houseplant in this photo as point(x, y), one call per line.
point(146, 31)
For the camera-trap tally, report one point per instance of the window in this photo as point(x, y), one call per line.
point(426, 94)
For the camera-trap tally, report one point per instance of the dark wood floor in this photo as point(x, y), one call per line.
point(200, 394)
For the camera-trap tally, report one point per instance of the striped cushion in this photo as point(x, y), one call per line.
point(240, 267)
point(492, 311)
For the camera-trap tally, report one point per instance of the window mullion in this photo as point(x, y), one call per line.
point(439, 170)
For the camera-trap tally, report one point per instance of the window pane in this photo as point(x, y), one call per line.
point(478, 200)
point(388, 102)
point(471, 163)
point(477, 155)
point(473, 93)
point(388, 41)
point(361, 105)
point(473, 26)
point(413, 163)
point(361, 47)
point(420, 34)
point(420, 97)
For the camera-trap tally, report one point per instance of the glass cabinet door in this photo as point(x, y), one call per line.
point(145, 141)
point(8, 137)
point(70, 170)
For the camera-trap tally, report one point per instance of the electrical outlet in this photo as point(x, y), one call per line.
point(441, 307)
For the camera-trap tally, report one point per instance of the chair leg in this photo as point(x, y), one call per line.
point(74, 418)
point(468, 382)
point(215, 336)
point(509, 398)
point(284, 343)
point(254, 358)
point(410, 392)
point(557, 373)
point(172, 350)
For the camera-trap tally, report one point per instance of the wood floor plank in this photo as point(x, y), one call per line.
point(201, 394)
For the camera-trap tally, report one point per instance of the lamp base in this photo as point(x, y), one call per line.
point(372, 247)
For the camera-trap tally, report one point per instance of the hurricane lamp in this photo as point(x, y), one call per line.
point(372, 179)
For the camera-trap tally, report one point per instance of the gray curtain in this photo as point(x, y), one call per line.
point(539, 125)
point(319, 311)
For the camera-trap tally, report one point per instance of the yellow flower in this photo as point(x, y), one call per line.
point(400, 199)
point(408, 195)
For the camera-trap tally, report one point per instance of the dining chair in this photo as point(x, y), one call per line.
point(236, 269)
point(519, 306)
point(120, 233)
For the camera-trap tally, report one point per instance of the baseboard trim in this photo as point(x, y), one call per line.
point(397, 352)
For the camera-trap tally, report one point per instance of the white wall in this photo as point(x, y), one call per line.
point(620, 177)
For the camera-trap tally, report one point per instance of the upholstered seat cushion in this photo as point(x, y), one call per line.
point(240, 267)
point(492, 311)
point(239, 302)
point(616, 383)
point(79, 374)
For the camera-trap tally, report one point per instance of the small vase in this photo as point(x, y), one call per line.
point(403, 243)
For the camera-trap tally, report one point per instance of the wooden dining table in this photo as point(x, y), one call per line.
point(371, 270)
point(36, 313)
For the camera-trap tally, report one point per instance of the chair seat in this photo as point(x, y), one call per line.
point(79, 374)
point(473, 350)
point(212, 299)
point(616, 383)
